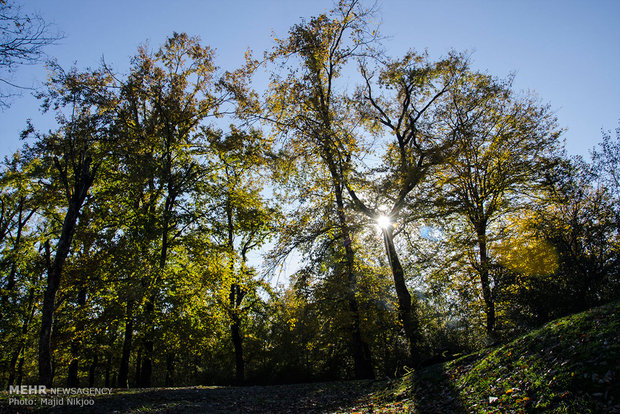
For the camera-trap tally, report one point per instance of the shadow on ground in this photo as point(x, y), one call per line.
point(295, 398)
point(433, 392)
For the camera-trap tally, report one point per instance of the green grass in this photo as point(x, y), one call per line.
point(570, 365)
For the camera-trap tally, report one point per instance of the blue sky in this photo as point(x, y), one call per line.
point(566, 51)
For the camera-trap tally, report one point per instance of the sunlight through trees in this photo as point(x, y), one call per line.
point(432, 207)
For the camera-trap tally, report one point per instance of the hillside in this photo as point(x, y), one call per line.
point(571, 365)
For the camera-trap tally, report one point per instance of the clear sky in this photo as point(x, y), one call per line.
point(567, 51)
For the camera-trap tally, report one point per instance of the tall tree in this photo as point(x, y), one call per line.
point(578, 217)
point(20, 263)
point(306, 108)
point(504, 144)
point(408, 108)
point(166, 96)
point(606, 163)
point(71, 158)
point(239, 221)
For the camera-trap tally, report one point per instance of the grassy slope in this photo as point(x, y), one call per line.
point(571, 365)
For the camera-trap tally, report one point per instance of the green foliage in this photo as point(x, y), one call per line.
point(578, 223)
point(145, 234)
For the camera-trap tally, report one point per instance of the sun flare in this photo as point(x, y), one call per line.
point(384, 222)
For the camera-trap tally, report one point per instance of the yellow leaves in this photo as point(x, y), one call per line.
point(522, 252)
point(529, 257)
point(524, 400)
point(291, 323)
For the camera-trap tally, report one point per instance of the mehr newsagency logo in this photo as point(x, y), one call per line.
point(40, 395)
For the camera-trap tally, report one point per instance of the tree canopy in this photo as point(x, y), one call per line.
point(430, 206)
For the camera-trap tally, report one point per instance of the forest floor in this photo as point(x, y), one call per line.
point(571, 365)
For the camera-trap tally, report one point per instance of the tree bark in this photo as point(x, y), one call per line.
point(138, 377)
point(407, 313)
point(47, 322)
point(147, 361)
point(362, 358)
point(12, 365)
point(148, 345)
point(72, 375)
point(236, 297)
point(20, 370)
point(73, 372)
point(169, 369)
point(108, 367)
point(123, 371)
point(485, 283)
point(54, 271)
point(92, 371)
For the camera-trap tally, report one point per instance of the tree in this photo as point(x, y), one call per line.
point(239, 221)
point(414, 92)
point(166, 96)
point(20, 263)
point(504, 144)
point(606, 165)
point(22, 40)
point(305, 108)
point(557, 255)
point(70, 161)
point(578, 219)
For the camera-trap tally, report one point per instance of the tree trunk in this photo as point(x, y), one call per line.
point(235, 330)
point(12, 365)
point(406, 311)
point(72, 376)
point(20, 370)
point(54, 271)
point(9, 288)
point(484, 281)
point(25, 324)
point(147, 346)
point(169, 369)
point(149, 334)
point(138, 377)
point(123, 371)
point(92, 370)
point(362, 359)
point(108, 367)
point(235, 299)
point(47, 322)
